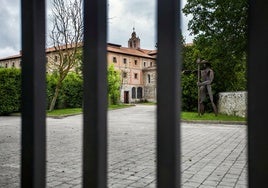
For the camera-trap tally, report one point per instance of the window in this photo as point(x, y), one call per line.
point(6, 65)
point(139, 93)
point(135, 62)
point(151, 64)
point(13, 64)
point(144, 64)
point(136, 75)
point(149, 78)
point(124, 74)
point(125, 60)
point(133, 93)
point(55, 58)
point(114, 59)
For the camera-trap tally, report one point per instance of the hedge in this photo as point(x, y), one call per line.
point(10, 90)
point(71, 93)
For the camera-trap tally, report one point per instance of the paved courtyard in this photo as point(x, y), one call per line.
point(213, 155)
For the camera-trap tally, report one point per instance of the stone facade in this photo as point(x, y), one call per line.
point(11, 62)
point(150, 82)
point(233, 103)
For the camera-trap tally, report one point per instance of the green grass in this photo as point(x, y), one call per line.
point(187, 116)
point(191, 116)
point(65, 112)
point(75, 111)
point(118, 106)
point(148, 103)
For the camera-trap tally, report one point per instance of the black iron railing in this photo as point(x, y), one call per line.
point(33, 157)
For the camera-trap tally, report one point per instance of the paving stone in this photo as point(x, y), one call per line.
point(212, 154)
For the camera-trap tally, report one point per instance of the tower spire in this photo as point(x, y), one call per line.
point(134, 41)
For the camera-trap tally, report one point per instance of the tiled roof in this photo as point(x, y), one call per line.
point(130, 51)
point(114, 48)
point(11, 57)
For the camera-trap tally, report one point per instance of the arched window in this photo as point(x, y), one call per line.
point(133, 93)
point(149, 78)
point(114, 59)
point(139, 92)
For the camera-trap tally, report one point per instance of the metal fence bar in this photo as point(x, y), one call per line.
point(257, 94)
point(168, 95)
point(33, 138)
point(95, 94)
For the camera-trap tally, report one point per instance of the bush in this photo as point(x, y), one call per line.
point(70, 95)
point(51, 85)
point(113, 79)
point(72, 91)
point(189, 92)
point(10, 90)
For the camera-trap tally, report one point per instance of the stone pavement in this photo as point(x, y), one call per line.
point(213, 155)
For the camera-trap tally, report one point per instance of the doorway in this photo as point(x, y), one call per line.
point(126, 96)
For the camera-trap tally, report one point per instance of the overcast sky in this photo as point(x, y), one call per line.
point(123, 16)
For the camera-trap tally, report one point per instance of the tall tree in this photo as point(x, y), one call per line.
point(224, 21)
point(220, 27)
point(66, 36)
point(114, 81)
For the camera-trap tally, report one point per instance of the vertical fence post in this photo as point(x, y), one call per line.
point(168, 94)
point(257, 94)
point(95, 95)
point(33, 152)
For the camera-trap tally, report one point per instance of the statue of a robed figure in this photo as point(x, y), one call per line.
point(205, 78)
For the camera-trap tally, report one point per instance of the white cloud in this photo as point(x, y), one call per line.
point(141, 14)
point(8, 51)
point(10, 27)
point(123, 15)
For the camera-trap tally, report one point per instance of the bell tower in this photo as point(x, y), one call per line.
point(134, 41)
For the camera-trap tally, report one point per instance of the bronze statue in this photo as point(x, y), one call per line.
point(204, 86)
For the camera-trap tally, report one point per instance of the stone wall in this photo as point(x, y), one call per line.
point(233, 103)
point(149, 82)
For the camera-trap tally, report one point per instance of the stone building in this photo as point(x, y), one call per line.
point(137, 67)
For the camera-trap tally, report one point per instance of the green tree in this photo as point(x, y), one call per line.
point(220, 28)
point(189, 79)
point(223, 22)
point(114, 80)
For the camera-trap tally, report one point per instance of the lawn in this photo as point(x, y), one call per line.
point(64, 112)
point(191, 116)
point(75, 111)
point(186, 116)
